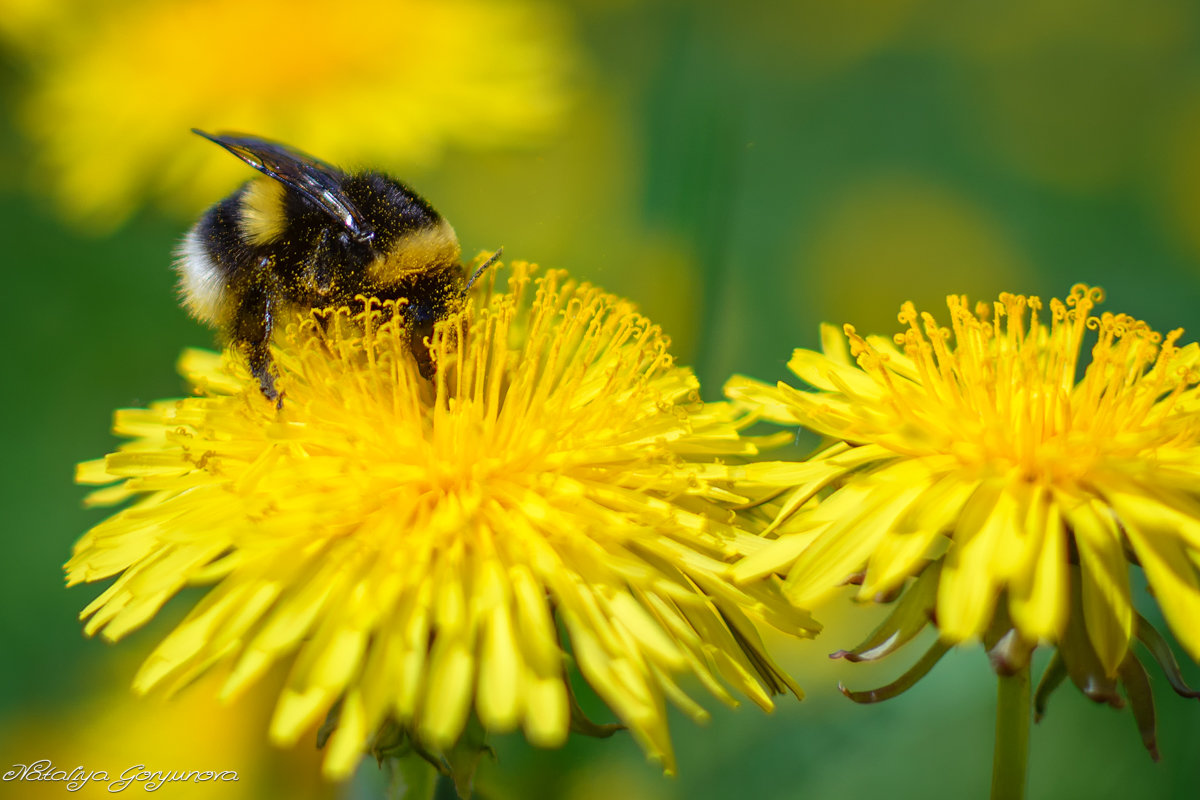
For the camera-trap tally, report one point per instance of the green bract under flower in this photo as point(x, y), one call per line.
point(414, 547)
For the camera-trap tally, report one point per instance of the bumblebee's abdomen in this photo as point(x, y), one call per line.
point(249, 242)
point(208, 260)
point(262, 217)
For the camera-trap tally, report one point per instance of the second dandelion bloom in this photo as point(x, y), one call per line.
point(1003, 474)
point(416, 548)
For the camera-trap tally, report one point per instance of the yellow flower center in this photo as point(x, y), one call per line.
point(998, 391)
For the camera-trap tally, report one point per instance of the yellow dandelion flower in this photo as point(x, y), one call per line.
point(1014, 479)
point(418, 546)
point(390, 84)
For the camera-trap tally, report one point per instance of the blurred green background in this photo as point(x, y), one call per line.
point(743, 172)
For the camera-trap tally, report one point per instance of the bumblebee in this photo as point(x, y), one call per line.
point(308, 235)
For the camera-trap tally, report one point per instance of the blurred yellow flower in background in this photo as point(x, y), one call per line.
point(114, 732)
point(366, 82)
point(418, 547)
point(973, 459)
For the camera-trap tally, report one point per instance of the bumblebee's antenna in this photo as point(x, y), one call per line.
point(491, 260)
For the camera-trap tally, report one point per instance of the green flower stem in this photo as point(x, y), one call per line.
point(411, 778)
point(1010, 760)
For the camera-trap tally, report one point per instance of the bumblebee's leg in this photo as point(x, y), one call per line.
point(418, 331)
point(318, 267)
point(253, 334)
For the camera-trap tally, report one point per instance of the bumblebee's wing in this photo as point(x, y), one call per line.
point(314, 179)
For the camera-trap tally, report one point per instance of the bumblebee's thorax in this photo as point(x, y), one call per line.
point(322, 262)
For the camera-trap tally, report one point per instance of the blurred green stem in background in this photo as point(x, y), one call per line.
point(1010, 759)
